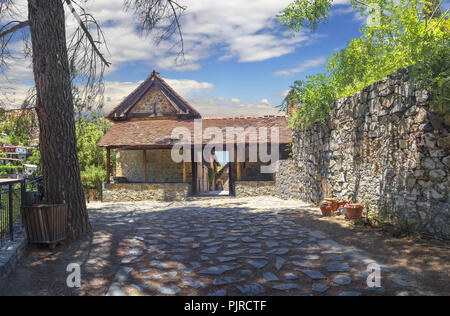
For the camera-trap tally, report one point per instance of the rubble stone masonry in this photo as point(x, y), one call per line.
point(382, 146)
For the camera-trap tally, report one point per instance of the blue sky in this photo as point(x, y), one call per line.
point(237, 59)
point(239, 83)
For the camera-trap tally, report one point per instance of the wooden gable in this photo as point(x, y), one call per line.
point(153, 99)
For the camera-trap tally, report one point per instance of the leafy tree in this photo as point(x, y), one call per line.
point(90, 130)
point(93, 176)
point(17, 125)
point(35, 159)
point(406, 33)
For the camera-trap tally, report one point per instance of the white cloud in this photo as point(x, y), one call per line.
point(310, 63)
point(245, 30)
point(210, 107)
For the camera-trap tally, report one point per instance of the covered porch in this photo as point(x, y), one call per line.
point(144, 162)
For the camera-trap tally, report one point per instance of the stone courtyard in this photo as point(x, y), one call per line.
point(229, 246)
point(243, 247)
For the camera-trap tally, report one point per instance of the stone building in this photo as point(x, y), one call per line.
point(154, 118)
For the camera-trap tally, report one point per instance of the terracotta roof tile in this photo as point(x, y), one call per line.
point(158, 133)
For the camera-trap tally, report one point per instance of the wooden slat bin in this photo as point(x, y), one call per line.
point(45, 223)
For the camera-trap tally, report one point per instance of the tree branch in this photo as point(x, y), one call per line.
point(14, 28)
point(159, 16)
point(178, 23)
point(86, 31)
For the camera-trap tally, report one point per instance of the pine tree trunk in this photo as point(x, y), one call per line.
point(54, 106)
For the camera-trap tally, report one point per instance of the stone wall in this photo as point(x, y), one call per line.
point(129, 192)
point(254, 188)
point(286, 180)
point(160, 166)
point(382, 146)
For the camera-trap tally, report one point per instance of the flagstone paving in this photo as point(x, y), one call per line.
point(232, 250)
point(230, 246)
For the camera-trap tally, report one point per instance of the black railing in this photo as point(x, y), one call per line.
point(12, 193)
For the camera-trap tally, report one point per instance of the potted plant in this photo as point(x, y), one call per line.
point(354, 211)
point(326, 208)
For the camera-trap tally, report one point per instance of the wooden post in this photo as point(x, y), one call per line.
point(194, 173)
point(184, 172)
point(238, 165)
point(144, 165)
point(108, 165)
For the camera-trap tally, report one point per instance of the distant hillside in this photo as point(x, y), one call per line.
point(24, 121)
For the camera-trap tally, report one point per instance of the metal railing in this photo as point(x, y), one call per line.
point(11, 196)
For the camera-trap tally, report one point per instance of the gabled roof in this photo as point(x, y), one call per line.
point(183, 108)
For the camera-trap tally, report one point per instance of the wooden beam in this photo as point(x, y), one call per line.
point(108, 165)
point(144, 165)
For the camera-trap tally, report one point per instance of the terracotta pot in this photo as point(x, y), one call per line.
point(342, 204)
point(334, 203)
point(354, 211)
point(326, 208)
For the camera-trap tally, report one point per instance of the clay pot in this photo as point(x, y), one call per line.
point(354, 211)
point(342, 204)
point(334, 203)
point(326, 208)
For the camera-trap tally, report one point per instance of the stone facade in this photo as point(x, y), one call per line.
point(154, 103)
point(160, 166)
point(132, 192)
point(382, 146)
point(254, 188)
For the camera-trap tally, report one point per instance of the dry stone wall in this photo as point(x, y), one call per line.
point(254, 188)
point(132, 192)
point(287, 184)
point(382, 146)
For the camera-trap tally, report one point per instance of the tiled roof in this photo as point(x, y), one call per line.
point(120, 112)
point(158, 133)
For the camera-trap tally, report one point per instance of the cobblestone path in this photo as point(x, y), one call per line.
point(237, 247)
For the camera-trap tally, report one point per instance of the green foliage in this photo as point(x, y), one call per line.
point(92, 158)
point(405, 35)
point(305, 14)
point(93, 176)
point(315, 95)
point(35, 159)
point(89, 133)
point(212, 175)
point(10, 168)
point(433, 74)
point(17, 126)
